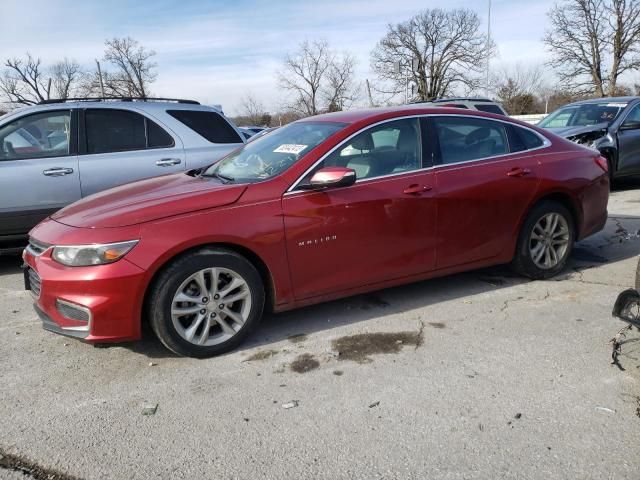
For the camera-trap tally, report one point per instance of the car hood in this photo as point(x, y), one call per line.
point(148, 200)
point(571, 131)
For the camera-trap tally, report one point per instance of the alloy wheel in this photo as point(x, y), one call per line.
point(211, 306)
point(549, 241)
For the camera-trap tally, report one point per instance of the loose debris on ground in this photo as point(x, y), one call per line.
point(30, 469)
point(291, 404)
point(149, 409)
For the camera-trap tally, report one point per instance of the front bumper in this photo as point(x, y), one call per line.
point(627, 307)
point(109, 295)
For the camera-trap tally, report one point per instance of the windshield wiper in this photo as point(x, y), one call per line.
point(218, 175)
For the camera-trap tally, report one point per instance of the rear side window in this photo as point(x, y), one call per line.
point(110, 130)
point(464, 138)
point(209, 125)
point(489, 108)
point(525, 139)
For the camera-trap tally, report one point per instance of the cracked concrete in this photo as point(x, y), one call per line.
point(512, 380)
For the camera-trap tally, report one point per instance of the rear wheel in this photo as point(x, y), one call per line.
point(545, 241)
point(206, 303)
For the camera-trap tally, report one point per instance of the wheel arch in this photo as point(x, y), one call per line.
point(250, 255)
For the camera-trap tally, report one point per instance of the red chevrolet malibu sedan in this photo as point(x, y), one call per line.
point(326, 207)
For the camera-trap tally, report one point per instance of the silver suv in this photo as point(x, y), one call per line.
point(480, 104)
point(55, 153)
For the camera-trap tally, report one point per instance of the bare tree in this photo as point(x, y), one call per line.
point(518, 88)
point(340, 90)
point(436, 50)
point(133, 69)
point(65, 75)
point(318, 78)
point(303, 74)
point(24, 81)
point(587, 37)
point(252, 112)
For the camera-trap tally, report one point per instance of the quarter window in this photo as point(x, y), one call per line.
point(40, 135)
point(392, 147)
point(464, 138)
point(207, 124)
point(110, 130)
point(525, 140)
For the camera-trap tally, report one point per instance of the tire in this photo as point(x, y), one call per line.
point(526, 261)
point(188, 322)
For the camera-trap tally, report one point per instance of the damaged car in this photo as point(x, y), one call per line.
point(610, 125)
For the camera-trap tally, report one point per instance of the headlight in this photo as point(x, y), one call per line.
point(85, 255)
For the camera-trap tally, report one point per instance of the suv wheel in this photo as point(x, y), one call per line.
point(545, 241)
point(206, 303)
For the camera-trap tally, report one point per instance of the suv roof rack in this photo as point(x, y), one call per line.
point(460, 99)
point(119, 99)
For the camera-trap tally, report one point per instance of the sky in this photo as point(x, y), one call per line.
point(218, 52)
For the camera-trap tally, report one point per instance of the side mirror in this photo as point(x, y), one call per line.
point(630, 126)
point(332, 177)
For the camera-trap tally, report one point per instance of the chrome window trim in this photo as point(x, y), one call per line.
point(546, 143)
point(83, 328)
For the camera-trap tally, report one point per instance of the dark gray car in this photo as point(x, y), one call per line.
point(611, 125)
point(56, 153)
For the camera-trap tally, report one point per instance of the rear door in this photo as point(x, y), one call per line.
point(484, 186)
point(38, 168)
point(119, 146)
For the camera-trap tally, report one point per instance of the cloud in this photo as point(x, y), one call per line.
point(218, 51)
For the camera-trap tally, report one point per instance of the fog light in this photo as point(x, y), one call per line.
point(71, 311)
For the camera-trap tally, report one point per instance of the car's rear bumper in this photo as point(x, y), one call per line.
point(594, 199)
point(96, 304)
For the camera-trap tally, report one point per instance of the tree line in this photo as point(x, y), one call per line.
point(592, 44)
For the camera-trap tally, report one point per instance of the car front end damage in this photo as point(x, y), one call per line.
point(96, 303)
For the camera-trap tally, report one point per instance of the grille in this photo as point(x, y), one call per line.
point(35, 283)
point(36, 248)
point(72, 312)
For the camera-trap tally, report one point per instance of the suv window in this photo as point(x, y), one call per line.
point(110, 130)
point(209, 125)
point(39, 135)
point(465, 138)
point(392, 147)
point(489, 108)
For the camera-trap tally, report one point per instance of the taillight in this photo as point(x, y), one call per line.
point(602, 163)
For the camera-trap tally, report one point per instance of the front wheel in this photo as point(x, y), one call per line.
point(206, 303)
point(545, 241)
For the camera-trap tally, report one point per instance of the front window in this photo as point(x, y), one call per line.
point(583, 115)
point(36, 136)
point(272, 154)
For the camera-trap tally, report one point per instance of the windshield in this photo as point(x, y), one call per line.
point(272, 154)
point(583, 115)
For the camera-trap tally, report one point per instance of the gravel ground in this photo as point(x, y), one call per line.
point(478, 375)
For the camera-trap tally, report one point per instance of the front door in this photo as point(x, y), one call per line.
point(38, 169)
point(380, 228)
point(629, 144)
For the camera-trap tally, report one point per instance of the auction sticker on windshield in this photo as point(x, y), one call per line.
point(290, 148)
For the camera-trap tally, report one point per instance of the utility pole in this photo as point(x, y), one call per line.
point(100, 77)
point(369, 93)
point(488, 45)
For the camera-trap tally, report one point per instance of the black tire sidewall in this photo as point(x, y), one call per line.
point(160, 300)
point(523, 262)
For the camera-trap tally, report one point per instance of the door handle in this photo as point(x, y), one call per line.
point(416, 189)
point(168, 162)
point(518, 172)
point(57, 171)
